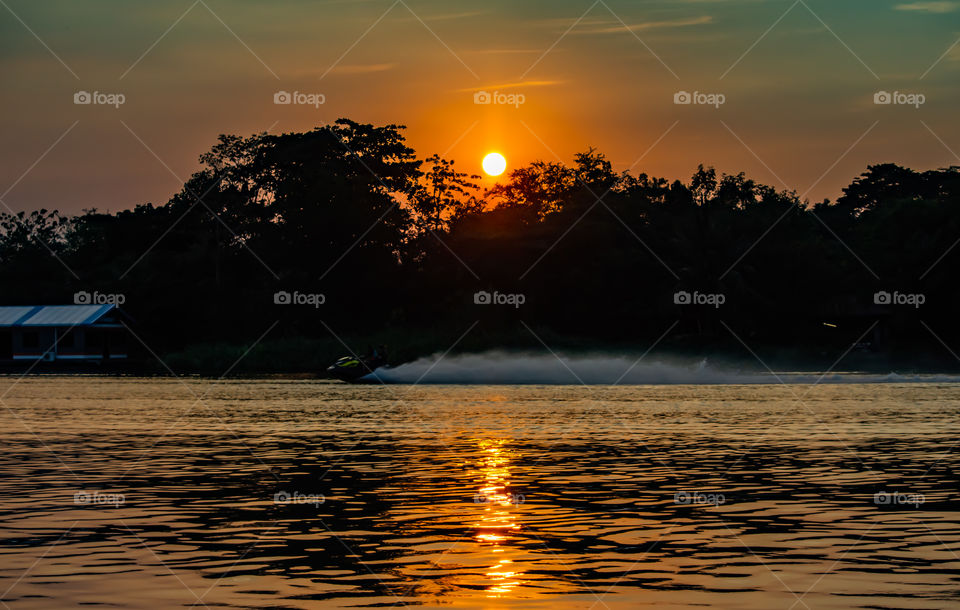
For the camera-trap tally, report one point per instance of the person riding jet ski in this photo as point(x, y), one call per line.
point(352, 368)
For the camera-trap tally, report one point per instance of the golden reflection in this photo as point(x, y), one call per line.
point(497, 522)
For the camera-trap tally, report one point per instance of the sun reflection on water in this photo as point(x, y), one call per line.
point(413, 518)
point(497, 521)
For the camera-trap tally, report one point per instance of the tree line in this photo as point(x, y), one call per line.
point(400, 246)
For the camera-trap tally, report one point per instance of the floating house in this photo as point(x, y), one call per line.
point(62, 333)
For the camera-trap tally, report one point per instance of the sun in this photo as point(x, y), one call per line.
point(494, 164)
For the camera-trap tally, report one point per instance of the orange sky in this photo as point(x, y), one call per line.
point(798, 82)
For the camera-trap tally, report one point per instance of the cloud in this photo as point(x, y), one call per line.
point(443, 16)
point(929, 7)
point(533, 83)
point(361, 68)
point(616, 27)
point(508, 51)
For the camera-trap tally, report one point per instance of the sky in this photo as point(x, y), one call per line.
point(783, 90)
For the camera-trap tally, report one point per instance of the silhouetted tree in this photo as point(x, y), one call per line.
point(399, 242)
point(445, 194)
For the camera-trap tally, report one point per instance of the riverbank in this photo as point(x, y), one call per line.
point(302, 358)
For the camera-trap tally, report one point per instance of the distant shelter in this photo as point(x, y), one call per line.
point(63, 333)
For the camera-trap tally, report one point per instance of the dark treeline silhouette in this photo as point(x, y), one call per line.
point(399, 246)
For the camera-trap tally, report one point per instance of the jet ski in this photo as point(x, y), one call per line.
point(351, 368)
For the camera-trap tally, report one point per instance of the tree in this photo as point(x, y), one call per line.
point(444, 195)
point(538, 189)
point(704, 185)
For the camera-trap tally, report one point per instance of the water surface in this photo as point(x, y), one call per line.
point(146, 493)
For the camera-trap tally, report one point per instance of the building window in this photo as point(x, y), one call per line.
point(31, 340)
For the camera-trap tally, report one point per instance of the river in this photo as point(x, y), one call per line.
point(165, 493)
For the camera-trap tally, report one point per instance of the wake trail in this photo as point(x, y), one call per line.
point(510, 368)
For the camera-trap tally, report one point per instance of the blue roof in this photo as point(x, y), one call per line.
point(9, 316)
point(53, 315)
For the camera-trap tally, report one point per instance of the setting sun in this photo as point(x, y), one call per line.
point(494, 164)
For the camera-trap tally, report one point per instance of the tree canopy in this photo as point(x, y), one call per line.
point(397, 241)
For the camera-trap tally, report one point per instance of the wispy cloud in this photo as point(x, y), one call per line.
point(508, 51)
point(361, 68)
point(616, 27)
point(929, 7)
point(531, 83)
point(444, 16)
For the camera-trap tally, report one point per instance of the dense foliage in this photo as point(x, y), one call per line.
point(398, 246)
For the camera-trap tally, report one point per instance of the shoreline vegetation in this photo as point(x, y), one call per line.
point(301, 359)
point(287, 251)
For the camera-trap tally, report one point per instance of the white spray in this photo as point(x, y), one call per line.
point(511, 368)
